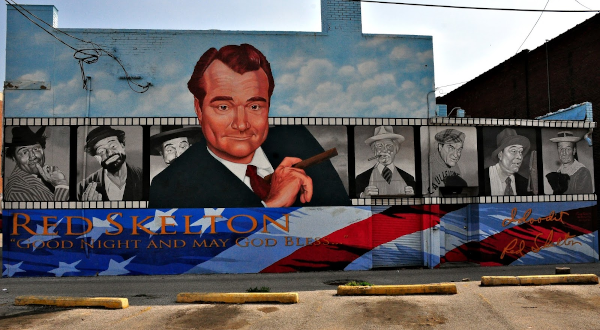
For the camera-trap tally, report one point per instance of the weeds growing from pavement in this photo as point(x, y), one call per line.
point(361, 283)
point(261, 289)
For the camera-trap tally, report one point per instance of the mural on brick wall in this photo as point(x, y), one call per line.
point(268, 152)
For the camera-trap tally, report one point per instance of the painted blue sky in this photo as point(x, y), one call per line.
point(466, 42)
point(316, 75)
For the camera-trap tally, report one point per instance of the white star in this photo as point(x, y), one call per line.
point(64, 267)
point(117, 268)
point(157, 221)
point(99, 228)
point(12, 269)
point(38, 239)
point(205, 221)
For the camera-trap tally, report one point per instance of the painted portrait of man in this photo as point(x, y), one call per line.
point(232, 89)
point(116, 178)
point(567, 163)
point(168, 142)
point(512, 171)
point(384, 177)
point(35, 174)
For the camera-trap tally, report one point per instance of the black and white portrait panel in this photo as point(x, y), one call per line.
point(36, 163)
point(168, 142)
point(384, 161)
point(568, 162)
point(334, 137)
point(451, 165)
point(510, 162)
point(109, 163)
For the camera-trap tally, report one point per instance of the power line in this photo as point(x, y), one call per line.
point(534, 25)
point(477, 8)
point(85, 55)
point(583, 5)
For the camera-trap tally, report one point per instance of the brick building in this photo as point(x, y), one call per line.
point(518, 87)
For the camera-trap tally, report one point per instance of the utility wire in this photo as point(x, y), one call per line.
point(534, 25)
point(476, 8)
point(82, 55)
point(583, 5)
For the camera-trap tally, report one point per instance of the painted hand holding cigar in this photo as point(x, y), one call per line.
point(289, 180)
point(52, 175)
point(287, 183)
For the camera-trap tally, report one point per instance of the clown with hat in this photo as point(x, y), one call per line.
point(116, 180)
point(384, 178)
point(572, 177)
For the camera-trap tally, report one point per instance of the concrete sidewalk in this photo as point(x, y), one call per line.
point(474, 307)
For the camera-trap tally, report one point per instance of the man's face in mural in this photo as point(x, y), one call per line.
point(28, 157)
point(110, 153)
point(173, 148)
point(234, 113)
point(511, 158)
point(566, 152)
point(450, 153)
point(385, 150)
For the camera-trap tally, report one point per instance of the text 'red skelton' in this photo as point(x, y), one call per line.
point(137, 224)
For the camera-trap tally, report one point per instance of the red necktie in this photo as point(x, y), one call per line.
point(260, 187)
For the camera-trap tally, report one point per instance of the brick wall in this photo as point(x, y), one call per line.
point(341, 15)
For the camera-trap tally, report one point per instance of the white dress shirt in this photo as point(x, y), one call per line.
point(498, 181)
point(263, 166)
point(113, 191)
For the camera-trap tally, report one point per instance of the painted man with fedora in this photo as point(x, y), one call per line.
point(445, 172)
point(116, 180)
point(384, 179)
point(33, 180)
point(572, 177)
point(173, 140)
point(503, 179)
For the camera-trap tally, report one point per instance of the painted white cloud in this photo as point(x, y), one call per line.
point(35, 76)
point(368, 68)
point(401, 53)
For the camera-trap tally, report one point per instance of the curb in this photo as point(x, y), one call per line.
point(112, 303)
point(238, 298)
point(397, 290)
point(539, 279)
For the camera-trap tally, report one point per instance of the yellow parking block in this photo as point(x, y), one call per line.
point(113, 303)
point(238, 298)
point(540, 279)
point(395, 290)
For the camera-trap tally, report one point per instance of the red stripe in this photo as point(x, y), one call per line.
point(342, 247)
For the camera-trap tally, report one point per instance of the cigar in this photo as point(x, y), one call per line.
point(316, 159)
point(370, 159)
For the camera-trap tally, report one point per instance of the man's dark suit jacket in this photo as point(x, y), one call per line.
point(362, 180)
point(520, 184)
point(133, 186)
point(196, 179)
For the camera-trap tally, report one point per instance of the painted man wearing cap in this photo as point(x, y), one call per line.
point(232, 90)
point(503, 179)
point(33, 180)
point(116, 180)
point(445, 171)
point(173, 141)
point(384, 178)
point(572, 177)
